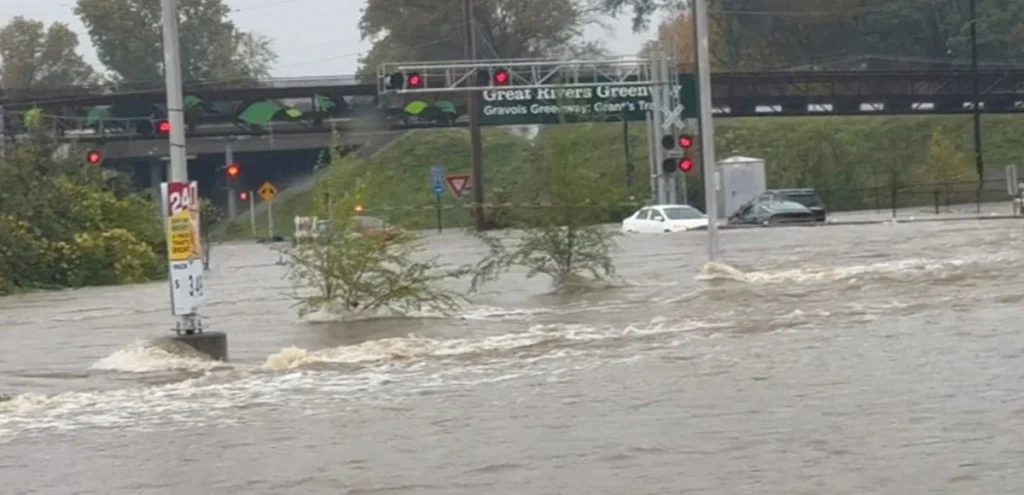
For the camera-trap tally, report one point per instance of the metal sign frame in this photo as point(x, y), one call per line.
point(458, 75)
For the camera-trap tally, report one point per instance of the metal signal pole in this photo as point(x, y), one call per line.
point(475, 139)
point(975, 94)
point(707, 127)
point(172, 75)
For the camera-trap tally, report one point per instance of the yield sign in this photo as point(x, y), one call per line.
point(458, 184)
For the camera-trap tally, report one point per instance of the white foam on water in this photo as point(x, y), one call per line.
point(717, 271)
point(392, 366)
point(157, 355)
point(479, 313)
point(404, 349)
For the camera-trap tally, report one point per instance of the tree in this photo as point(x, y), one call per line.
point(750, 35)
point(37, 57)
point(63, 226)
point(410, 30)
point(946, 163)
point(346, 272)
point(565, 240)
point(128, 39)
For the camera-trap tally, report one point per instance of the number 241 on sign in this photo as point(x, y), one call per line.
point(184, 198)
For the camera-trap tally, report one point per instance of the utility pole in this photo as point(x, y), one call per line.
point(475, 139)
point(229, 159)
point(3, 134)
point(178, 164)
point(975, 95)
point(190, 323)
point(707, 127)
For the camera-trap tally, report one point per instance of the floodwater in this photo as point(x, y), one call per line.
point(882, 359)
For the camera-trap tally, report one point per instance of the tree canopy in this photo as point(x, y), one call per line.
point(127, 36)
point(753, 34)
point(408, 30)
point(38, 57)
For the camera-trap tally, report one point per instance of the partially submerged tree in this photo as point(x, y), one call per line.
point(348, 271)
point(38, 57)
point(565, 239)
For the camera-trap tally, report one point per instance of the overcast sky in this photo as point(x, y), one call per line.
point(312, 37)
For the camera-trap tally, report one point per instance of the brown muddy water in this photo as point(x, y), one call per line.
point(883, 359)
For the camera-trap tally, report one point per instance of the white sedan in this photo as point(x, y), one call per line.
point(664, 218)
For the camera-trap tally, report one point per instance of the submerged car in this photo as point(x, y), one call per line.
point(311, 228)
point(807, 197)
point(664, 218)
point(773, 213)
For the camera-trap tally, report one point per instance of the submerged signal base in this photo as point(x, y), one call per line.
point(213, 344)
point(189, 331)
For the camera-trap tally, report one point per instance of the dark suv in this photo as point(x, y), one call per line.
point(807, 197)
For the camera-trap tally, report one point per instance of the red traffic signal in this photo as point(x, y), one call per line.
point(233, 170)
point(93, 157)
point(414, 81)
point(685, 164)
point(501, 77)
point(685, 141)
point(244, 195)
point(163, 127)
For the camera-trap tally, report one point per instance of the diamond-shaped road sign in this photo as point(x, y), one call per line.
point(672, 117)
point(268, 191)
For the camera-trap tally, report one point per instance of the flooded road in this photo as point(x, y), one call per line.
point(882, 359)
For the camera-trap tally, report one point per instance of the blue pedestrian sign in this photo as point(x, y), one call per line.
point(438, 175)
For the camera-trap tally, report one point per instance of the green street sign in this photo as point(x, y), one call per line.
point(524, 106)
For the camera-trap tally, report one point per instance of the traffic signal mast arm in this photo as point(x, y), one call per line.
point(453, 76)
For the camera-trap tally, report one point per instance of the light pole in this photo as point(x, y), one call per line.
point(975, 95)
point(475, 139)
point(707, 127)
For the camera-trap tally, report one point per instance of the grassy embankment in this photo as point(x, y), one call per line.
point(853, 161)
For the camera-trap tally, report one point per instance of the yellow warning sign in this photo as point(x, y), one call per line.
point(268, 191)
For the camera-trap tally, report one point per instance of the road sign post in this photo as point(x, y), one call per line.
point(252, 214)
point(268, 192)
point(437, 177)
point(184, 247)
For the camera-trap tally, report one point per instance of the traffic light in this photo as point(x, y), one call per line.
point(358, 208)
point(232, 171)
point(501, 77)
point(163, 127)
point(396, 80)
point(677, 153)
point(93, 157)
point(670, 164)
point(686, 163)
point(244, 195)
point(400, 81)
